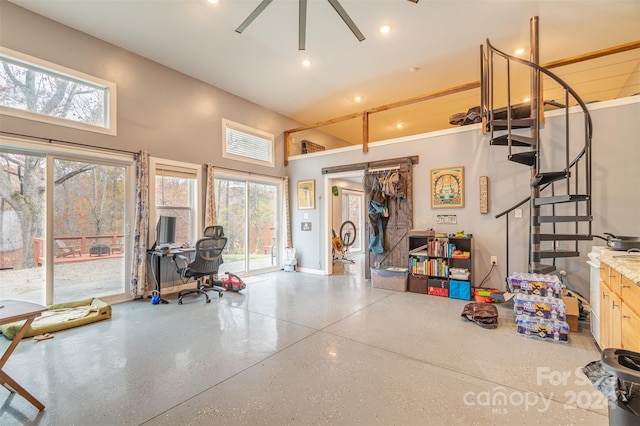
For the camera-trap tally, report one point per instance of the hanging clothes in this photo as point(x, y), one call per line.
point(378, 213)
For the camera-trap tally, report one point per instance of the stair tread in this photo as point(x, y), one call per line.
point(521, 110)
point(516, 140)
point(527, 158)
point(553, 253)
point(560, 199)
point(550, 219)
point(547, 177)
point(516, 123)
point(542, 268)
point(559, 237)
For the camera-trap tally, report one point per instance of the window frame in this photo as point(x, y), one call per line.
point(73, 75)
point(197, 218)
point(51, 151)
point(250, 131)
point(247, 179)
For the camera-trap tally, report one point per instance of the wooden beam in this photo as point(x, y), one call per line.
point(365, 132)
point(287, 142)
point(593, 55)
point(426, 97)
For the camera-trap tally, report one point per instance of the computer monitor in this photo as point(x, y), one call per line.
point(165, 232)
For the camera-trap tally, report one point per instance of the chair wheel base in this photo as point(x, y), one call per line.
point(194, 291)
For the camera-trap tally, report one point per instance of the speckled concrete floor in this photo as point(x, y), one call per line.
point(301, 349)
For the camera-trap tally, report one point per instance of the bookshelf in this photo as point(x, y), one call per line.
point(435, 262)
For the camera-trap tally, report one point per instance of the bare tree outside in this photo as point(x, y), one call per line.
point(44, 92)
point(22, 177)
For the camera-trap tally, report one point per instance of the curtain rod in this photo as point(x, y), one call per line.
point(248, 173)
point(50, 140)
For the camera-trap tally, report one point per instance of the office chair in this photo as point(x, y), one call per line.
point(208, 258)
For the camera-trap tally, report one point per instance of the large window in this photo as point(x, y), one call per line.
point(64, 213)
point(243, 143)
point(175, 193)
point(37, 90)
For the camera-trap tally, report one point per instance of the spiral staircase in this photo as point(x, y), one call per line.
point(560, 198)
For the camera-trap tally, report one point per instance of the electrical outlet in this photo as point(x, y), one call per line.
point(494, 260)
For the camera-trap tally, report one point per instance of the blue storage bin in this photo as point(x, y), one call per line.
point(460, 289)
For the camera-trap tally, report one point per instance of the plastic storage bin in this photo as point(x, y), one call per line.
point(389, 278)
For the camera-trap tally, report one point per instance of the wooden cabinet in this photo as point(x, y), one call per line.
point(615, 329)
point(630, 329)
point(605, 315)
point(619, 310)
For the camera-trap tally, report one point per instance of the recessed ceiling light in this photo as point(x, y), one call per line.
point(306, 62)
point(526, 99)
point(357, 99)
point(213, 1)
point(519, 51)
point(399, 126)
point(385, 28)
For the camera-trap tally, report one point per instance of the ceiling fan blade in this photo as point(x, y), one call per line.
point(257, 11)
point(302, 25)
point(347, 20)
point(414, 1)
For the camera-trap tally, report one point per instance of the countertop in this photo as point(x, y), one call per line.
point(629, 268)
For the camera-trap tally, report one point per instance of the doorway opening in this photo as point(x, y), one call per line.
point(344, 219)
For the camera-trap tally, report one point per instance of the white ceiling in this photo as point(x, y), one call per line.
point(440, 38)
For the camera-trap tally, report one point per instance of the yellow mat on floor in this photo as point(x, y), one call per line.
point(62, 316)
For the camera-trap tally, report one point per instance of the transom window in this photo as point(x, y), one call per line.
point(37, 90)
point(244, 143)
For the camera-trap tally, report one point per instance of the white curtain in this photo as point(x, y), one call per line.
point(287, 215)
point(141, 226)
point(210, 201)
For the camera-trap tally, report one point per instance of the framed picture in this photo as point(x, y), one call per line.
point(447, 188)
point(306, 194)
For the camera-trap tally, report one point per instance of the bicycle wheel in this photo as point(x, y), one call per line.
point(348, 233)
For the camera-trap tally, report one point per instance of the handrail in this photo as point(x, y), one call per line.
point(553, 76)
point(583, 106)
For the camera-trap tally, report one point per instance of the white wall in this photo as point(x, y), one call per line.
point(159, 110)
point(616, 189)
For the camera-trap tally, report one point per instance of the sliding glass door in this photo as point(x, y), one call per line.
point(248, 211)
point(63, 224)
point(23, 192)
point(88, 229)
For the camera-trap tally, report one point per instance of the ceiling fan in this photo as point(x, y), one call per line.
point(302, 19)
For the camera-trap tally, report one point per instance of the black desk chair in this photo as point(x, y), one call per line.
point(208, 258)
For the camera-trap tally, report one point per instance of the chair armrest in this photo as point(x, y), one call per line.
point(181, 261)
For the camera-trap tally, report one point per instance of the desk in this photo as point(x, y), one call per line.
point(158, 255)
point(15, 310)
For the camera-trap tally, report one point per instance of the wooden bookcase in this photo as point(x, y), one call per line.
point(431, 259)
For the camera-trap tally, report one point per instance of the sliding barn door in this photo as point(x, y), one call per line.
point(397, 225)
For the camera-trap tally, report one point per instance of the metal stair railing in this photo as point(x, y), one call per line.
point(538, 182)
